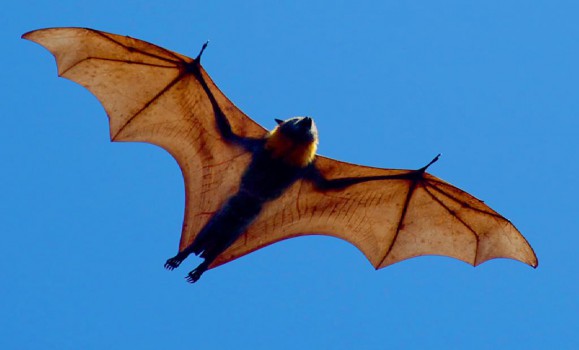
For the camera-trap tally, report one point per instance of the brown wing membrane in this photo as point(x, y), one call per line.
point(388, 220)
point(149, 96)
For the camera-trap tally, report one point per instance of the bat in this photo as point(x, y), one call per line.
point(247, 188)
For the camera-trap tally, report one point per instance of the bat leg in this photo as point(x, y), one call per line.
point(224, 228)
point(194, 275)
point(175, 261)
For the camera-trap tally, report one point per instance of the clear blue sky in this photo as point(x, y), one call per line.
point(86, 225)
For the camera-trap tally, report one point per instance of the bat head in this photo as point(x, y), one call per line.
point(299, 129)
point(294, 140)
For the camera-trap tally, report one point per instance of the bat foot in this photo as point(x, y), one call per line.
point(173, 263)
point(195, 275)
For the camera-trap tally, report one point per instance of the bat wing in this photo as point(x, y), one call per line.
point(151, 96)
point(388, 220)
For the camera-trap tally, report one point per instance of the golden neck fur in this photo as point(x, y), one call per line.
point(293, 152)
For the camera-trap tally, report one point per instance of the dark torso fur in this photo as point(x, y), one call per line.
point(265, 179)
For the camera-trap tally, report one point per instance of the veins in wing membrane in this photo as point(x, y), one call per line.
point(178, 63)
point(430, 189)
point(150, 102)
point(411, 190)
point(453, 213)
point(133, 49)
point(119, 61)
point(462, 203)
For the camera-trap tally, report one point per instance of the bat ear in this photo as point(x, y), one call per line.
point(279, 121)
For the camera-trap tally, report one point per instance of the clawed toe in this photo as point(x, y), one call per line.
point(172, 264)
point(193, 276)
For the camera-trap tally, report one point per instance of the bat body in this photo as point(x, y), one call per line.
point(278, 160)
point(247, 188)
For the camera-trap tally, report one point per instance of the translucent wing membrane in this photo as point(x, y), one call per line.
point(389, 220)
point(151, 95)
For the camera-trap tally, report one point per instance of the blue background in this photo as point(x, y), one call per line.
point(86, 225)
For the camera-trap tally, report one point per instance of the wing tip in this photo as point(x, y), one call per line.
point(26, 35)
point(532, 262)
point(30, 34)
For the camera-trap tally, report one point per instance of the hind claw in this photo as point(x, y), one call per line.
point(193, 276)
point(172, 263)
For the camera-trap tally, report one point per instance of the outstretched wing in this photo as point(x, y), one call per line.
point(388, 220)
point(151, 96)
